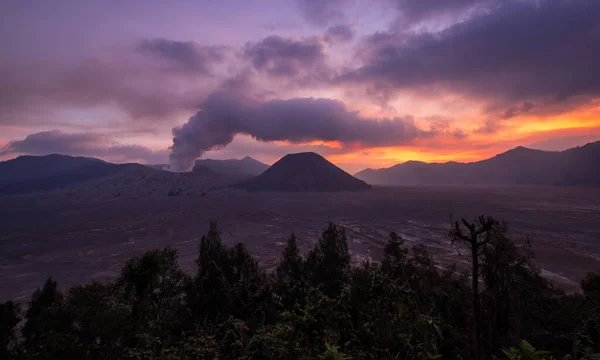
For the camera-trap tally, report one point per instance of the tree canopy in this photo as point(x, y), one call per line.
point(321, 306)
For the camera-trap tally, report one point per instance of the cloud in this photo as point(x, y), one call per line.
point(322, 12)
point(412, 11)
point(518, 110)
point(184, 56)
point(546, 51)
point(339, 33)
point(489, 127)
point(82, 144)
point(459, 133)
point(298, 120)
point(154, 83)
point(279, 56)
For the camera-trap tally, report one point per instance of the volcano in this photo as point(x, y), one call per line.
point(304, 172)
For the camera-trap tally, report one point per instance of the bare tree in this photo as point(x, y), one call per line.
point(475, 238)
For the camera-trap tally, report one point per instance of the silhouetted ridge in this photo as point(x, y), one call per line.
point(239, 169)
point(304, 172)
point(578, 166)
point(27, 174)
point(36, 173)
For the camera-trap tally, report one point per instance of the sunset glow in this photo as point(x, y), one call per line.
point(362, 86)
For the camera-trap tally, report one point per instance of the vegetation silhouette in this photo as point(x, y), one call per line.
point(318, 307)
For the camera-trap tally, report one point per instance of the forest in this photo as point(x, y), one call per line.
point(318, 305)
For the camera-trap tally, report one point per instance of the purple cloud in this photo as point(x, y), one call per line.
point(278, 56)
point(339, 33)
point(412, 11)
point(82, 144)
point(184, 56)
point(322, 12)
point(545, 50)
point(136, 87)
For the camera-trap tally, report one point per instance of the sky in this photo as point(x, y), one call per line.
point(364, 83)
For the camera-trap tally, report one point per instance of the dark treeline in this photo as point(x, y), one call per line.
point(314, 307)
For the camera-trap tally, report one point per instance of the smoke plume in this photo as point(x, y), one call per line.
point(297, 120)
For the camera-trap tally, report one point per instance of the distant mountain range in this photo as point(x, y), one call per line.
point(304, 172)
point(37, 173)
point(27, 174)
point(234, 168)
point(578, 166)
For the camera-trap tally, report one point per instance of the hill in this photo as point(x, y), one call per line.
point(304, 172)
point(235, 168)
point(27, 174)
point(141, 181)
point(37, 173)
point(520, 166)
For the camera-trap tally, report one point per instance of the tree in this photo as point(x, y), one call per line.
point(591, 285)
point(102, 322)
point(211, 288)
point(9, 318)
point(516, 296)
point(477, 237)
point(154, 284)
point(328, 263)
point(405, 308)
point(289, 276)
point(211, 249)
point(43, 303)
point(394, 254)
point(228, 282)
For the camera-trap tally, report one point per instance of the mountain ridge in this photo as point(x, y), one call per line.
point(577, 166)
point(236, 168)
point(27, 174)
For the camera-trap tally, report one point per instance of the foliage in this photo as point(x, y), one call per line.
point(525, 352)
point(318, 307)
point(9, 319)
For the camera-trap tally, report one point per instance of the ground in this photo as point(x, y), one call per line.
point(77, 237)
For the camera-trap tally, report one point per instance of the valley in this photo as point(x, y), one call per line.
point(84, 233)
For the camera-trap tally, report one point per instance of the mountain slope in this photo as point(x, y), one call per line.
point(37, 173)
point(28, 174)
point(244, 168)
point(520, 166)
point(304, 172)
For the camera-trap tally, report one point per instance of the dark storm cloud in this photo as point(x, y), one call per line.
point(322, 12)
point(81, 144)
point(339, 33)
point(295, 120)
point(542, 49)
point(185, 56)
point(285, 57)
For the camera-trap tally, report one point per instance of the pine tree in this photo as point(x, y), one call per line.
point(41, 307)
point(211, 249)
point(289, 278)
point(228, 282)
point(394, 255)
point(329, 262)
